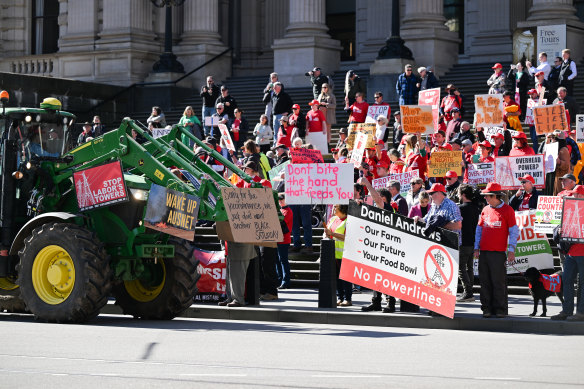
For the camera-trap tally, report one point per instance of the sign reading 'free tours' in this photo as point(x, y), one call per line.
point(389, 253)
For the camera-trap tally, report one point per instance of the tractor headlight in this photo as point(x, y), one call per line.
point(139, 194)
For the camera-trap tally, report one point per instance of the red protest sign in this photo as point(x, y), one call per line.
point(573, 220)
point(431, 97)
point(300, 155)
point(212, 269)
point(100, 186)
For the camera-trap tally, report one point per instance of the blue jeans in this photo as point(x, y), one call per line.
point(283, 265)
point(573, 266)
point(302, 214)
point(276, 126)
point(207, 111)
point(533, 135)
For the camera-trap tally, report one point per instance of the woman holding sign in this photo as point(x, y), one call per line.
point(335, 229)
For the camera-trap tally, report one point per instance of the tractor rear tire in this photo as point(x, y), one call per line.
point(64, 273)
point(169, 297)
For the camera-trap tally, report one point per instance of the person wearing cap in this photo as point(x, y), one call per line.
point(520, 79)
point(526, 197)
point(353, 85)
point(456, 144)
point(541, 84)
point(502, 144)
point(495, 242)
point(342, 142)
point(382, 169)
point(570, 103)
point(453, 127)
point(485, 153)
point(228, 102)
point(452, 184)
point(371, 161)
point(281, 105)
point(520, 146)
point(284, 132)
point(251, 169)
point(496, 82)
point(316, 127)
point(568, 183)
point(85, 133)
point(283, 265)
point(440, 143)
point(328, 105)
point(398, 132)
point(358, 109)
point(298, 121)
point(281, 151)
point(529, 120)
point(452, 100)
point(317, 79)
point(406, 88)
point(427, 79)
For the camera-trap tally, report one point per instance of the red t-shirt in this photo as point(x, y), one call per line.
point(372, 162)
point(524, 206)
point(285, 139)
point(314, 121)
point(358, 112)
point(414, 161)
point(496, 223)
point(396, 167)
point(518, 152)
point(234, 126)
point(288, 218)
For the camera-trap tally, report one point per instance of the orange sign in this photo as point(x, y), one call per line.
point(365, 128)
point(417, 119)
point(550, 118)
point(489, 110)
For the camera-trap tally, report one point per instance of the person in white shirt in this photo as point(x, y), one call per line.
point(544, 66)
point(567, 72)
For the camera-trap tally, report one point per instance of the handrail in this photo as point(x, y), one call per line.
point(136, 84)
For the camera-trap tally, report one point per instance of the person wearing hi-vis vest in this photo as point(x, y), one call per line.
point(495, 242)
point(335, 229)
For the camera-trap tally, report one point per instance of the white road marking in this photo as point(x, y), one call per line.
point(498, 378)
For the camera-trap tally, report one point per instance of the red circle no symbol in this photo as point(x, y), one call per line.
point(439, 262)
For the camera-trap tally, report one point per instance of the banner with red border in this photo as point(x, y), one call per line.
point(100, 186)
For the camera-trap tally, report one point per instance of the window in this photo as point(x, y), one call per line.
point(340, 19)
point(45, 26)
point(454, 14)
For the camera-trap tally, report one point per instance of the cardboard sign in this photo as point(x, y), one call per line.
point(404, 180)
point(480, 173)
point(172, 212)
point(550, 118)
point(573, 220)
point(551, 151)
point(158, 132)
point(359, 150)
point(374, 111)
point(226, 137)
point(356, 128)
point(323, 183)
point(509, 169)
point(276, 172)
point(252, 216)
point(490, 132)
point(488, 110)
point(531, 104)
point(417, 119)
point(100, 186)
point(548, 214)
point(389, 253)
point(579, 128)
point(300, 155)
point(211, 121)
point(431, 97)
point(443, 161)
point(213, 271)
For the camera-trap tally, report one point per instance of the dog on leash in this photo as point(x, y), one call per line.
point(542, 286)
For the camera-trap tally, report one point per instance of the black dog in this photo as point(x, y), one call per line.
point(538, 291)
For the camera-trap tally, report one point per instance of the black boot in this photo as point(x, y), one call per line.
point(372, 307)
point(390, 308)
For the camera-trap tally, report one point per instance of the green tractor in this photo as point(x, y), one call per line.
point(66, 247)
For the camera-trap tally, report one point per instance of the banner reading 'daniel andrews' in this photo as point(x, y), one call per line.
point(389, 253)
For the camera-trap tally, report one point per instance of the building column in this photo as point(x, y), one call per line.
point(425, 33)
point(306, 44)
point(373, 29)
point(81, 29)
point(546, 10)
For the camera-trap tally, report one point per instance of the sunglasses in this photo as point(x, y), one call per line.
point(325, 87)
point(377, 97)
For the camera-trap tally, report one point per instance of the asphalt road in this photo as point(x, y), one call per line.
point(115, 351)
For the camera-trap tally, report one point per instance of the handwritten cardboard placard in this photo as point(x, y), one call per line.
point(300, 155)
point(490, 132)
point(431, 97)
point(226, 136)
point(252, 216)
point(480, 173)
point(509, 169)
point(550, 118)
point(374, 111)
point(488, 110)
point(444, 161)
point(323, 183)
point(404, 180)
point(580, 128)
point(417, 119)
point(356, 128)
point(359, 150)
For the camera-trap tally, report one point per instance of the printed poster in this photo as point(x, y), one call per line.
point(579, 128)
point(548, 214)
point(573, 220)
point(356, 128)
point(359, 150)
point(509, 169)
point(480, 173)
point(100, 186)
point(213, 271)
point(226, 137)
point(404, 180)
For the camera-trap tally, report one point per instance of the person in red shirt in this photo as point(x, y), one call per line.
point(381, 152)
point(397, 164)
point(495, 242)
point(315, 119)
point(508, 101)
point(416, 157)
point(358, 109)
point(440, 143)
point(283, 136)
point(526, 197)
point(251, 169)
point(452, 100)
point(498, 139)
point(484, 154)
point(371, 160)
point(520, 146)
point(568, 184)
point(382, 169)
point(283, 266)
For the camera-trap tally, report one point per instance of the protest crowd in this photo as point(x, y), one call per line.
point(422, 161)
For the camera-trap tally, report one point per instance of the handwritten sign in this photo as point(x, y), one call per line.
point(443, 161)
point(509, 169)
point(172, 212)
point(580, 128)
point(548, 213)
point(417, 119)
point(300, 155)
point(226, 137)
point(531, 104)
point(404, 180)
point(488, 110)
point(431, 97)
point(374, 111)
point(550, 118)
point(480, 173)
point(573, 220)
point(359, 150)
point(252, 216)
point(490, 133)
point(323, 183)
point(356, 128)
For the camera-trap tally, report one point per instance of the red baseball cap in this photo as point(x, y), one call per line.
point(527, 177)
point(492, 188)
point(497, 66)
point(313, 102)
point(540, 73)
point(578, 189)
point(383, 164)
point(380, 142)
point(486, 143)
point(532, 91)
point(499, 136)
point(295, 106)
point(520, 135)
point(451, 174)
point(437, 187)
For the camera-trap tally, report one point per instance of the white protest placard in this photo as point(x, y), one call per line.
point(508, 170)
point(319, 183)
point(490, 132)
point(431, 97)
point(551, 151)
point(226, 137)
point(488, 110)
point(579, 128)
point(389, 253)
point(548, 214)
point(374, 111)
point(404, 180)
point(480, 173)
point(158, 132)
point(211, 121)
point(551, 40)
point(359, 150)
point(531, 104)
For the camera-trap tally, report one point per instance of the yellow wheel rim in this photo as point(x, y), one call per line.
point(7, 284)
point(53, 274)
point(144, 293)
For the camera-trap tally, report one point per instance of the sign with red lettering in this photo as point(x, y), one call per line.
point(480, 173)
point(100, 186)
point(212, 269)
point(226, 137)
point(404, 180)
point(573, 220)
point(431, 97)
point(533, 248)
point(322, 183)
point(548, 214)
point(508, 170)
point(374, 111)
point(300, 155)
point(389, 253)
point(359, 150)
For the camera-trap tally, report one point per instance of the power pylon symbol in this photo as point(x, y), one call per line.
point(572, 224)
point(504, 172)
point(84, 195)
point(440, 261)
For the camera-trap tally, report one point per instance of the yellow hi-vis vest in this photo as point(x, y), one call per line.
point(337, 225)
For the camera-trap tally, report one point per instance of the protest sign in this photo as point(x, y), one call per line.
point(100, 186)
point(488, 110)
point(389, 253)
point(417, 119)
point(158, 132)
point(431, 97)
point(580, 128)
point(301, 155)
point(276, 172)
point(318, 140)
point(480, 173)
point(226, 137)
point(550, 118)
point(212, 269)
point(573, 220)
point(531, 104)
point(443, 161)
point(359, 150)
point(172, 212)
point(355, 128)
point(211, 121)
point(323, 183)
point(551, 151)
point(374, 111)
point(252, 216)
point(404, 180)
point(490, 132)
point(509, 169)
point(548, 214)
